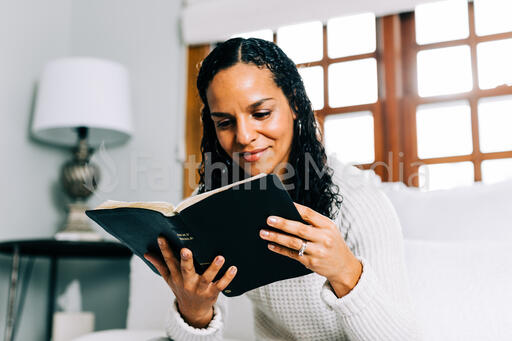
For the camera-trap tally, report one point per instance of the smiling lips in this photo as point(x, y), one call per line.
point(254, 155)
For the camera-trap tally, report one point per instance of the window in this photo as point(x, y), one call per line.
point(293, 39)
point(423, 97)
point(445, 175)
point(443, 129)
point(339, 68)
point(350, 136)
point(340, 73)
point(457, 83)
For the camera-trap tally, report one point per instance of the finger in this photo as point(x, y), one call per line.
point(158, 264)
point(287, 252)
point(313, 217)
point(222, 283)
point(170, 260)
point(295, 228)
point(213, 269)
point(188, 270)
point(290, 242)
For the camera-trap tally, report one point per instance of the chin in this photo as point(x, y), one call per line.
point(255, 168)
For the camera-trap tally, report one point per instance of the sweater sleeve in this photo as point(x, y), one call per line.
point(379, 307)
point(179, 330)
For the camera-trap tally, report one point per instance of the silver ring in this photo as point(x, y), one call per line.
point(303, 248)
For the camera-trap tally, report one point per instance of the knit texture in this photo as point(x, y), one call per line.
point(378, 308)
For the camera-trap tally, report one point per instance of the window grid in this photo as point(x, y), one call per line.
point(413, 100)
point(394, 113)
point(374, 108)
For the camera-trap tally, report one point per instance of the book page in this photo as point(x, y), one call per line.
point(192, 200)
point(163, 207)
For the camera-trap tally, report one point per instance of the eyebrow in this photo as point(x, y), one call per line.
point(250, 107)
point(260, 102)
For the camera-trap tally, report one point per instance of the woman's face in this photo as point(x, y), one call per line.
point(252, 118)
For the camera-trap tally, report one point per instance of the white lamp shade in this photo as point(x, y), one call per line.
point(83, 92)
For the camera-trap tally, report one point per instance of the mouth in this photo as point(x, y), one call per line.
point(253, 155)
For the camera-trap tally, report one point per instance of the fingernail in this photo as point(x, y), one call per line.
point(160, 241)
point(272, 220)
point(218, 260)
point(232, 270)
point(264, 233)
point(184, 254)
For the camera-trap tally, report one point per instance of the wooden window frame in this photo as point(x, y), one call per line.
point(396, 157)
point(412, 100)
point(193, 125)
point(374, 108)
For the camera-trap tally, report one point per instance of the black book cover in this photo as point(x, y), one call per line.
point(226, 223)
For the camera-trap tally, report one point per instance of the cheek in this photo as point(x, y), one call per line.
point(224, 140)
point(282, 130)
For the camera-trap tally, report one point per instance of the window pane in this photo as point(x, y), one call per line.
point(313, 78)
point(348, 36)
point(261, 34)
point(352, 83)
point(446, 175)
point(492, 16)
point(496, 170)
point(444, 71)
point(441, 21)
point(444, 130)
point(303, 42)
point(495, 124)
point(494, 63)
point(351, 137)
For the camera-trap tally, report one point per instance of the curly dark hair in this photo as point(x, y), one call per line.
point(311, 189)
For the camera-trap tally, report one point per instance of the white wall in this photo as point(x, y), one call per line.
point(238, 16)
point(32, 33)
point(143, 35)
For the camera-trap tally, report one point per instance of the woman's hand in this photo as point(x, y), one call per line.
point(326, 252)
point(196, 294)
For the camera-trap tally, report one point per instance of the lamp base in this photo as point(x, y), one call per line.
point(77, 225)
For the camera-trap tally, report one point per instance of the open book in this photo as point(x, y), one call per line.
point(225, 221)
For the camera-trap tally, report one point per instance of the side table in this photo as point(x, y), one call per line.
point(54, 250)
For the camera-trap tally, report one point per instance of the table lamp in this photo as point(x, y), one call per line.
point(82, 103)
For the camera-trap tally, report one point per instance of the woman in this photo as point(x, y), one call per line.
point(257, 117)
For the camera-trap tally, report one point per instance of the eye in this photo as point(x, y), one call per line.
point(261, 114)
point(223, 124)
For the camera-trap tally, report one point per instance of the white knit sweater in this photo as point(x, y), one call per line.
point(306, 308)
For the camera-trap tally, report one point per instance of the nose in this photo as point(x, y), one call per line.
point(245, 132)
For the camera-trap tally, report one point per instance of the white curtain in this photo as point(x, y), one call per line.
point(206, 21)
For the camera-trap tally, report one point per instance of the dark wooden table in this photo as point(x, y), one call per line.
point(54, 250)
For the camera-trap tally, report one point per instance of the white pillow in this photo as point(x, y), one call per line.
point(462, 290)
point(150, 298)
point(478, 212)
point(124, 335)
